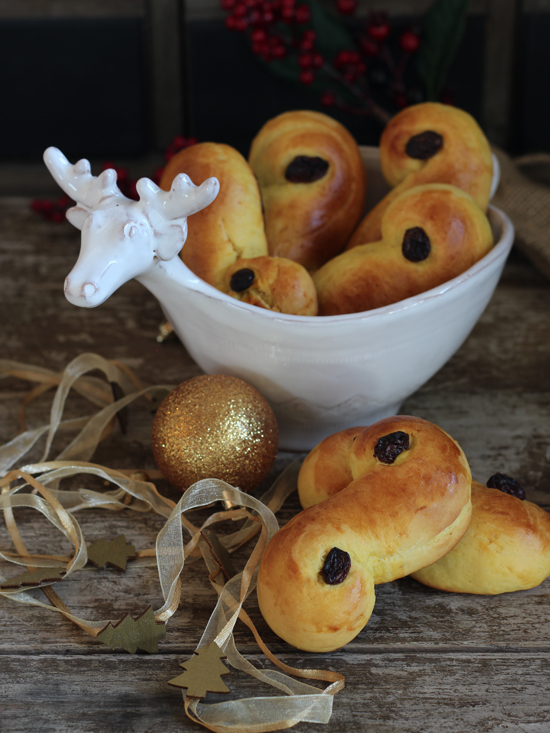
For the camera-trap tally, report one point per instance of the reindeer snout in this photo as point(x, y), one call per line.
point(88, 289)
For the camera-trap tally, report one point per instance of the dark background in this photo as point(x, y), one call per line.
point(84, 85)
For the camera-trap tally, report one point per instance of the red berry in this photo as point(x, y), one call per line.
point(267, 17)
point(279, 52)
point(157, 175)
point(343, 59)
point(108, 164)
point(353, 58)
point(57, 216)
point(346, 7)
point(307, 77)
point(255, 18)
point(178, 142)
point(305, 60)
point(288, 3)
point(379, 32)
point(400, 100)
point(239, 11)
point(360, 67)
point(258, 35)
point(309, 34)
point(230, 22)
point(287, 14)
point(228, 4)
point(64, 202)
point(369, 48)
point(303, 14)
point(318, 60)
point(349, 76)
point(327, 99)
point(191, 141)
point(306, 45)
point(410, 41)
point(241, 24)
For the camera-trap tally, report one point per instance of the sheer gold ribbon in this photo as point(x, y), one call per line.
point(301, 701)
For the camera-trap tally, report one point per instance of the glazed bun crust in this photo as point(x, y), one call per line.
point(378, 274)
point(463, 160)
point(278, 285)
point(505, 549)
point(232, 226)
point(308, 222)
point(390, 519)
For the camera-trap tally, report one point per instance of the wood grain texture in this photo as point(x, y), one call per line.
point(427, 660)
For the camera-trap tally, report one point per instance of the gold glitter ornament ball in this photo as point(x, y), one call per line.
point(215, 426)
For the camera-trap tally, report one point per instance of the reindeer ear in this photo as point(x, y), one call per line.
point(77, 216)
point(170, 239)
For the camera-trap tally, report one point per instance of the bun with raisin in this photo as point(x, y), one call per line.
point(506, 547)
point(312, 179)
point(232, 226)
point(403, 500)
point(430, 143)
point(430, 234)
point(273, 283)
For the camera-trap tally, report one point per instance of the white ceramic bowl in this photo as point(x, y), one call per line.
point(324, 374)
point(319, 374)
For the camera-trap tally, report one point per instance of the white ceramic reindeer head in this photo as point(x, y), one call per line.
point(121, 238)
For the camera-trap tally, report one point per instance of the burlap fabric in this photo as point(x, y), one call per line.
point(526, 199)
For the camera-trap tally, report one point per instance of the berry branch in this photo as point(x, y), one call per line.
point(332, 56)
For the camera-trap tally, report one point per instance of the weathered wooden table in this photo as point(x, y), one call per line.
point(427, 661)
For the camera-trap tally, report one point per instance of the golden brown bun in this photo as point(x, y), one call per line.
point(232, 226)
point(276, 284)
point(374, 275)
point(506, 548)
point(308, 222)
point(463, 160)
point(390, 519)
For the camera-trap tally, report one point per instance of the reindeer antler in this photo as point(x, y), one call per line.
point(183, 199)
point(77, 180)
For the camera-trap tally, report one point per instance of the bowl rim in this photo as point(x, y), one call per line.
point(500, 251)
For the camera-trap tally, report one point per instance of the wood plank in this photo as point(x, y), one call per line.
point(401, 692)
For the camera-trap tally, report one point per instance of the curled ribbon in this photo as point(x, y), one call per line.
point(36, 486)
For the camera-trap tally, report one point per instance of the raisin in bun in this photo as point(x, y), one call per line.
point(404, 500)
point(430, 234)
point(274, 283)
point(506, 548)
point(430, 143)
point(232, 226)
point(313, 185)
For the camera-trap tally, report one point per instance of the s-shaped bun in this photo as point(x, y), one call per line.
point(313, 185)
point(430, 143)
point(404, 499)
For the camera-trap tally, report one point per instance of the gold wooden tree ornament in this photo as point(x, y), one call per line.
point(115, 553)
point(132, 634)
point(203, 672)
point(36, 578)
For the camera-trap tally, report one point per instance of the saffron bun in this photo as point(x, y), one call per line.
point(274, 283)
point(430, 143)
point(506, 548)
point(312, 180)
point(232, 226)
point(429, 234)
point(403, 502)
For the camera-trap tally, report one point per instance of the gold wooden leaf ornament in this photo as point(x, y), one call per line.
point(115, 553)
point(132, 634)
point(36, 578)
point(203, 672)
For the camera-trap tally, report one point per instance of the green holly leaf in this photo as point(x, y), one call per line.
point(444, 25)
